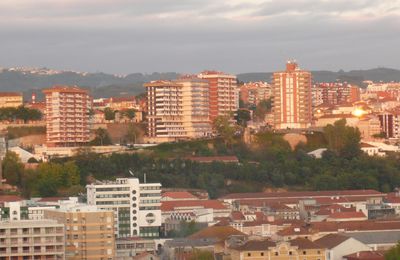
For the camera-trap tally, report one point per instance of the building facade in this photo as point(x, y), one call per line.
point(31, 239)
point(253, 93)
point(178, 109)
point(292, 107)
point(136, 205)
point(10, 99)
point(67, 116)
point(223, 93)
point(89, 233)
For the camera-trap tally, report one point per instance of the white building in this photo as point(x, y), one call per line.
point(136, 205)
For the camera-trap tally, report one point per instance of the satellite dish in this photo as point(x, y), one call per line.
point(131, 173)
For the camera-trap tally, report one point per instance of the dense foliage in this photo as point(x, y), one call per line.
point(20, 131)
point(268, 163)
point(393, 253)
point(20, 113)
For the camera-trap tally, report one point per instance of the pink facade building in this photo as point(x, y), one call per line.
point(67, 116)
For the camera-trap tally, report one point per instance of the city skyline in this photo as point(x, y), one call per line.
point(148, 36)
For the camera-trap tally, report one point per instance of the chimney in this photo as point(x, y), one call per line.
point(33, 97)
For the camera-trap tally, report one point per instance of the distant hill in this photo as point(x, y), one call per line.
point(28, 80)
point(353, 76)
point(100, 84)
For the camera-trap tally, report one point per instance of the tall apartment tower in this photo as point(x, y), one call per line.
point(223, 93)
point(136, 205)
point(292, 98)
point(89, 232)
point(178, 109)
point(67, 116)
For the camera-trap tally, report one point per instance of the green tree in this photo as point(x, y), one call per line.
point(262, 109)
point(343, 140)
point(102, 137)
point(393, 253)
point(132, 134)
point(242, 117)
point(129, 113)
point(224, 127)
point(13, 168)
point(109, 114)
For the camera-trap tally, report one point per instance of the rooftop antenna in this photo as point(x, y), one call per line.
point(145, 181)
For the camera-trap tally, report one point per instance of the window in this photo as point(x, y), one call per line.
point(290, 253)
point(276, 253)
point(304, 252)
point(248, 254)
point(262, 253)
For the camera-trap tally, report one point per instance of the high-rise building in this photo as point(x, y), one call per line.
point(31, 239)
point(178, 109)
point(67, 116)
point(223, 93)
point(89, 232)
point(136, 205)
point(292, 106)
point(10, 99)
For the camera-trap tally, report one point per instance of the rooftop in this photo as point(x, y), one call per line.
point(176, 204)
point(331, 240)
point(303, 194)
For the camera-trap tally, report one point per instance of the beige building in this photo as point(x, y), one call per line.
point(10, 99)
point(292, 107)
point(31, 239)
point(178, 109)
point(297, 249)
point(67, 116)
point(89, 232)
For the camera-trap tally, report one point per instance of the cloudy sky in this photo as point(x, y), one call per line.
point(124, 36)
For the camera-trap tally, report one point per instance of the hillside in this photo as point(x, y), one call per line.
point(100, 84)
point(353, 76)
point(106, 85)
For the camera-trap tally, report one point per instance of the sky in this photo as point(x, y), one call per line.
point(187, 36)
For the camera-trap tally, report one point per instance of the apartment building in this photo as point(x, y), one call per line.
point(31, 239)
point(253, 93)
point(89, 232)
point(389, 123)
point(67, 116)
point(223, 93)
point(10, 99)
point(292, 106)
point(136, 205)
point(178, 109)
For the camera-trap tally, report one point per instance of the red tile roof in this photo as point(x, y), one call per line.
point(69, 89)
point(175, 204)
point(220, 233)
point(10, 198)
point(345, 226)
point(303, 243)
point(255, 245)
point(237, 215)
point(332, 240)
point(303, 194)
point(351, 214)
point(366, 255)
point(10, 94)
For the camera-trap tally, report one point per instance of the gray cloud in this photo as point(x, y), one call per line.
point(125, 36)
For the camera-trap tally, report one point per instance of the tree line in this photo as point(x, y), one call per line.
point(23, 113)
point(268, 163)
